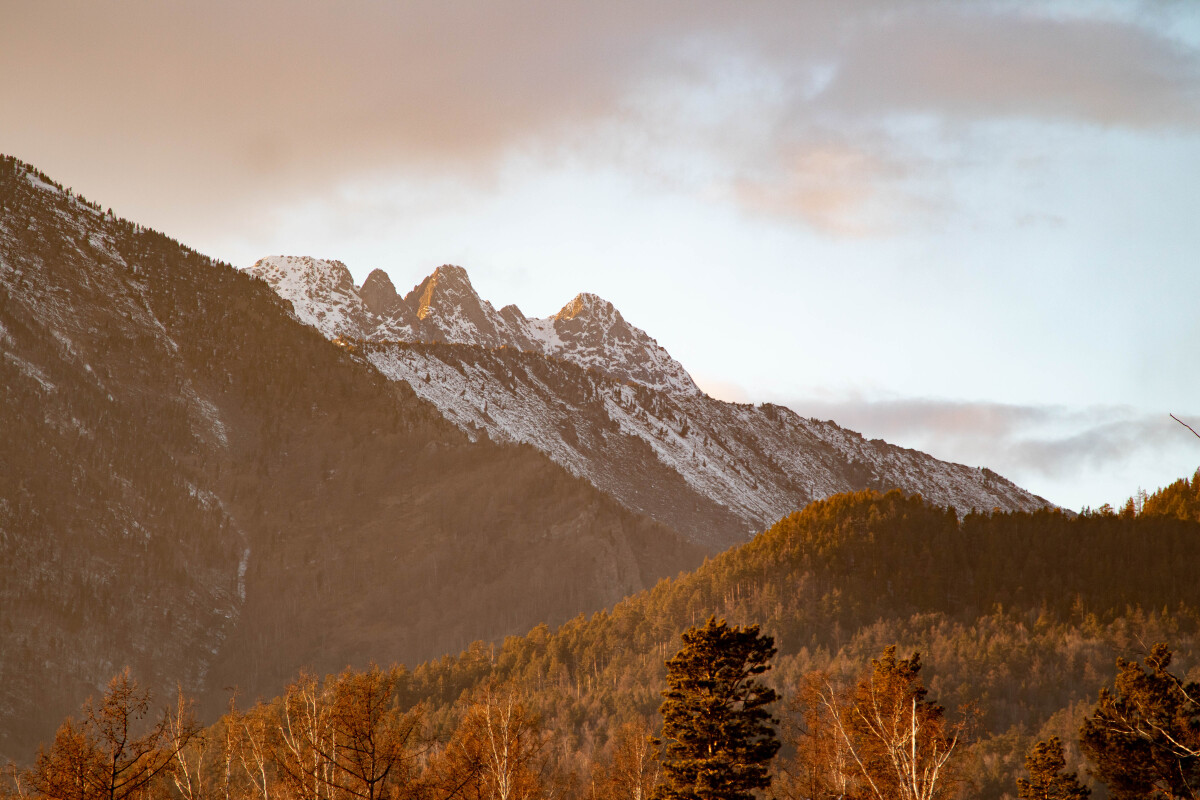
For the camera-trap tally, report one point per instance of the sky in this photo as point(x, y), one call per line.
point(965, 227)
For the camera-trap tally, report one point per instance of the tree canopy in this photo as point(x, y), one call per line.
point(719, 736)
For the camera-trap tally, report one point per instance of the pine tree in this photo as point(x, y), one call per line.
point(719, 737)
point(1144, 735)
point(1047, 781)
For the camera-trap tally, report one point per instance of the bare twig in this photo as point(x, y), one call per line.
point(1184, 424)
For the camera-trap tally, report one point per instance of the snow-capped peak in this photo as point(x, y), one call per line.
point(444, 307)
point(587, 304)
point(448, 286)
point(589, 330)
point(322, 293)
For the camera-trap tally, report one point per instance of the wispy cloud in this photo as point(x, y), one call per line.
point(1117, 447)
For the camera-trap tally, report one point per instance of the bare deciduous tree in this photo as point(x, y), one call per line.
point(635, 767)
point(115, 752)
point(373, 739)
point(880, 738)
point(498, 751)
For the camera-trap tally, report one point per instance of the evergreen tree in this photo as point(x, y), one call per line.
point(719, 737)
point(1047, 781)
point(1144, 734)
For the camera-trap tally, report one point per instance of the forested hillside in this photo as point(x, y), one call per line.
point(1020, 615)
point(1007, 625)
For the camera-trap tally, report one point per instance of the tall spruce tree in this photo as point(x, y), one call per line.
point(719, 737)
point(1048, 778)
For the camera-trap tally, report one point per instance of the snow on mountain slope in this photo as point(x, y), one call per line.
point(591, 332)
point(604, 400)
point(321, 292)
point(755, 464)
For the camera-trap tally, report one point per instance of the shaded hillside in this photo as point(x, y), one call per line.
point(1020, 614)
point(194, 483)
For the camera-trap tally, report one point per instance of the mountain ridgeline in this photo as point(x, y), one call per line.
point(198, 486)
point(602, 398)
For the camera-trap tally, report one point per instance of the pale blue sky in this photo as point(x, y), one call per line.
point(969, 228)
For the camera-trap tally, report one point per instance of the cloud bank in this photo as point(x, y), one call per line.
point(797, 110)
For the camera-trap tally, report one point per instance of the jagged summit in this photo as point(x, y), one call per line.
point(589, 330)
point(589, 305)
point(447, 285)
point(380, 294)
point(322, 293)
point(448, 309)
point(445, 307)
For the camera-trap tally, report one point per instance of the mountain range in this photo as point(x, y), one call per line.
point(604, 399)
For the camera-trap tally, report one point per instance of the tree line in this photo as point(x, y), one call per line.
point(835, 586)
point(877, 736)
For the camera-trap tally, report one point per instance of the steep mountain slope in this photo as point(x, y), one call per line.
point(193, 483)
point(601, 398)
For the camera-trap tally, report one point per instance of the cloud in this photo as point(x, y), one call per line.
point(973, 63)
point(835, 188)
point(1116, 448)
point(228, 106)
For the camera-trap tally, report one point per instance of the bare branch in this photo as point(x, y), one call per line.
point(1184, 424)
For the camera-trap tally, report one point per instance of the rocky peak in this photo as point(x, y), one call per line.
point(444, 307)
point(448, 309)
point(589, 321)
point(447, 286)
point(322, 293)
point(588, 305)
point(379, 294)
point(591, 331)
point(513, 314)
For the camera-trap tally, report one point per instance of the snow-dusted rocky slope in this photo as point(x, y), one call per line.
point(601, 398)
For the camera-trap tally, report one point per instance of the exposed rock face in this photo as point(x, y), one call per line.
point(592, 333)
point(603, 399)
point(380, 295)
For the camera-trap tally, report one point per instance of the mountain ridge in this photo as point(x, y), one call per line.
point(445, 307)
point(715, 471)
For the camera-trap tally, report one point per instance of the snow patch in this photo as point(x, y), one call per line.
point(30, 371)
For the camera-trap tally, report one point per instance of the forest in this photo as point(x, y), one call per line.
point(1008, 654)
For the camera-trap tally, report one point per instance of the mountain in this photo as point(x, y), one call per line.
point(603, 399)
point(195, 484)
